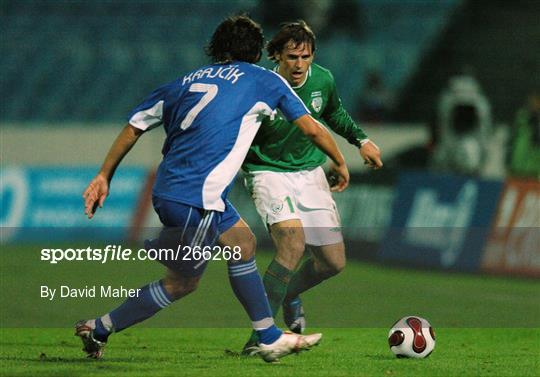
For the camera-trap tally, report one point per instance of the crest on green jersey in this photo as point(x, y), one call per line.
point(316, 101)
point(276, 206)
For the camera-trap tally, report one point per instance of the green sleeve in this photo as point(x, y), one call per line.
point(339, 120)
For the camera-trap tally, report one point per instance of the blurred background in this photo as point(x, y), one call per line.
point(449, 89)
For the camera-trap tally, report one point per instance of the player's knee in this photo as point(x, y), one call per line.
point(329, 269)
point(336, 267)
point(290, 254)
point(248, 246)
point(289, 241)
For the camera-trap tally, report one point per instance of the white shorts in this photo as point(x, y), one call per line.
point(303, 195)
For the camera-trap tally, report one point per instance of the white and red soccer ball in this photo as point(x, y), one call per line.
point(411, 336)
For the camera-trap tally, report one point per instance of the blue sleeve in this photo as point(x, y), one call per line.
point(289, 103)
point(150, 112)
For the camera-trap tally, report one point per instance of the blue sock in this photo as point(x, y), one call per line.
point(150, 300)
point(249, 289)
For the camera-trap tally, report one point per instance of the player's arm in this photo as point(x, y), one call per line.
point(339, 120)
point(98, 189)
point(322, 138)
point(145, 116)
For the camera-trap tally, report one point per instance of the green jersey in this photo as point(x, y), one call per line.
point(281, 146)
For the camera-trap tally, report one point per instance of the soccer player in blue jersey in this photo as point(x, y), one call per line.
point(210, 116)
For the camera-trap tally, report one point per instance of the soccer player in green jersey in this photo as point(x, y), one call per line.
point(288, 185)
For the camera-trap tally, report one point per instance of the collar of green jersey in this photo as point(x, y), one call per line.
point(276, 69)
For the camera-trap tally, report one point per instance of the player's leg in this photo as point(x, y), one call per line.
point(322, 230)
point(244, 276)
point(326, 261)
point(249, 289)
point(289, 241)
point(288, 238)
point(182, 223)
point(274, 198)
point(149, 300)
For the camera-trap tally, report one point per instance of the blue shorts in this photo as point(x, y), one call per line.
point(187, 227)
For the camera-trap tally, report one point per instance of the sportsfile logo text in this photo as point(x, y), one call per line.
point(119, 253)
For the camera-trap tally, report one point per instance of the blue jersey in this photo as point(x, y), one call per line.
point(211, 116)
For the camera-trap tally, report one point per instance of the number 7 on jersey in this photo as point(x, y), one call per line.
point(210, 91)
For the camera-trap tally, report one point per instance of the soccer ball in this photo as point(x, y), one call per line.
point(411, 336)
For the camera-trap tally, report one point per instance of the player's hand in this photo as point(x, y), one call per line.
point(371, 155)
point(339, 177)
point(95, 195)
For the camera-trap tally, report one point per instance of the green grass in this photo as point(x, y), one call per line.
point(200, 352)
point(486, 326)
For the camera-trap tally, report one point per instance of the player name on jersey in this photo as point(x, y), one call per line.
point(104, 291)
point(230, 73)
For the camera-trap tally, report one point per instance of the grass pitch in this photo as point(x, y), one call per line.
point(200, 352)
point(485, 326)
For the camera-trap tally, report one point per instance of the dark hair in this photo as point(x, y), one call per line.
point(298, 32)
point(236, 38)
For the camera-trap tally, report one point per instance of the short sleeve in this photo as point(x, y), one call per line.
point(149, 113)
